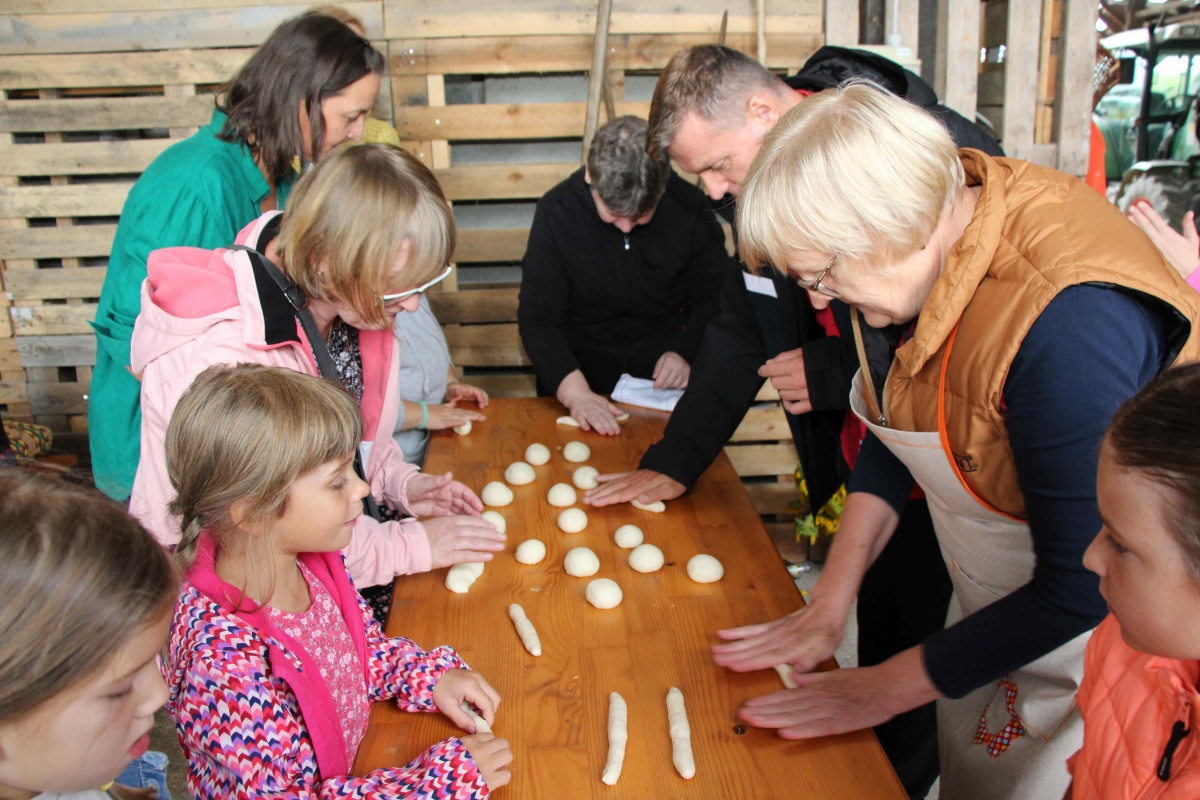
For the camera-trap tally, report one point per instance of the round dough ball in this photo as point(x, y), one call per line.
point(573, 520)
point(560, 495)
point(629, 536)
point(704, 569)
point(577, 452)
point(496, 494)
point(646, 558)
point(603, 593)
point(531, 551)
point(581, 562)
point(537, 454)
point(519, 473)
point(585, 478)
point(497, 519)
point(464, 429)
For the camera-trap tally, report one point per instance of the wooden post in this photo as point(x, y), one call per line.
point(956, 78)
point(841, 23)
point(1073, 105)
point(761, 7)
point(596, 76)
point(1020, 76)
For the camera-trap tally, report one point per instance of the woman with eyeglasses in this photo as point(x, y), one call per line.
point(367, 231)
point(1033, 309)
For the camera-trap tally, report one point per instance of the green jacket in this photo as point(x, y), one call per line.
point(199, 193)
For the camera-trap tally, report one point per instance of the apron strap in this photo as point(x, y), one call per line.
point(868, 383)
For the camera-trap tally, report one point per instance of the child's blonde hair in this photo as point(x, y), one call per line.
point(245, 434)
point(346, 222)
point(79, 579)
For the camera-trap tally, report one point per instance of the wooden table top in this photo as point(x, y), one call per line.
point(554, 711)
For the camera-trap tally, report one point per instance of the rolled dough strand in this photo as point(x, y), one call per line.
point(525, 629)
point(681, 735)
point(618, 735)
point(481, 725)
point(785, 675)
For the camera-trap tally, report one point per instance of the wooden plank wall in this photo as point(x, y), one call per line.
point(92, 92)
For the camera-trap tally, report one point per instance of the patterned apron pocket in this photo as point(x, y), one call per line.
point(998, 743)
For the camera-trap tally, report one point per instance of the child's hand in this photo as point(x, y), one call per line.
point(457, 686)
point(492, 756)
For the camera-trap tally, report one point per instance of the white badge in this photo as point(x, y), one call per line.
point(760, 285)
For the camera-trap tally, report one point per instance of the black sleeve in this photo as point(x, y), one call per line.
point(1067, 379)
point(707, 270)
point(722, 386)
point(877, 471)
point(829, 367)
point(543, 303)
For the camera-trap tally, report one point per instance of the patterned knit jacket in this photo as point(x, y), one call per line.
point(241, 698)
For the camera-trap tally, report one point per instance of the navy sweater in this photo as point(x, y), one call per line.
point(1091, 349)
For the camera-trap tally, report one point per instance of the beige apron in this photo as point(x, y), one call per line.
point(1010, 738)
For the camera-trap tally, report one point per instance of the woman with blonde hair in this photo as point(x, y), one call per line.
point(995, 404)
point(317, 290)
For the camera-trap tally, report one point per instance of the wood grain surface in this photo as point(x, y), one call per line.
point(554, 709)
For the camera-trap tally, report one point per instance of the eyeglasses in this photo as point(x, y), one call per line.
point(816, 286)
point(392, 298)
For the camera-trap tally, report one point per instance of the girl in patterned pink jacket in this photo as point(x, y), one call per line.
point(274, 658)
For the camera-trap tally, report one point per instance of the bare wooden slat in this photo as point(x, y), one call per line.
point(80, 241)
point(57, 351)
point(1073, 112)
point(1020, 81)
point(532, 54)
point(841, 24)
point(13, 392)
point(486, 345)
point(763, 459)
point(75, 7)
point(151, 27)
point(49, 284)
point(762, 423)
point(498, 244)
point(957, 71)
point(475, 305)
point(502, 181)
point(505, 385)
point(10, 357)
point(772, 498)
point(102, 70)
point(80, 158)
point(71, 200)
point(766, 393)
point(100, 114)
point(58, 398)
point(52, 319)
point(499, 121)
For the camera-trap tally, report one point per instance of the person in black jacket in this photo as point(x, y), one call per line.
point(711, 108)
point(621, 275)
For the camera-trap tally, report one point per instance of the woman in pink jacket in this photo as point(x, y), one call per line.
point(1139, 696)
point(366, 231)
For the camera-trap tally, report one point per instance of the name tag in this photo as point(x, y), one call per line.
point(759, 285)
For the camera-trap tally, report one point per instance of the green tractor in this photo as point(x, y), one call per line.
point(1149, 119)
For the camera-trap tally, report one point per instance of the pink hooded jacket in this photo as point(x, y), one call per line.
point(205, 307)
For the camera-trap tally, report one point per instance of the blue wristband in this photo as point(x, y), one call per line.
point(424, 416)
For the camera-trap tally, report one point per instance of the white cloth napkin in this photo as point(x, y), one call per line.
point(641, 392)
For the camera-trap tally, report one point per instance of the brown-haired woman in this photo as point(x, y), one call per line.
point(305, 91)
point(366, 231)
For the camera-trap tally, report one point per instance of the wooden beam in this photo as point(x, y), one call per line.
point(596, 74)
point(104, 70)
point(491, 244)
point(1020, 76)
point(42, 320)
point(80, 158)
point(763, 459)
point(1073, 104)
point(956, 72)
point(486, 345)
point(498, 121)
point(475, 305)
point(841, 23)
point(102, 114)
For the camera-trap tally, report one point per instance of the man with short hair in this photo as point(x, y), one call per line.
point(711, 109)
point(621, 275)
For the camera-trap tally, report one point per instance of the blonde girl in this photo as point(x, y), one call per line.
point(1139, 697)
point(274, 658)
point(85, 603)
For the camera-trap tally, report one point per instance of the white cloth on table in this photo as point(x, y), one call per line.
point(641, 392)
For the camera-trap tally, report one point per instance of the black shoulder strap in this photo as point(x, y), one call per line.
point(316, 341)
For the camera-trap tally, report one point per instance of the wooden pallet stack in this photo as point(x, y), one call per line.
point(92, 93)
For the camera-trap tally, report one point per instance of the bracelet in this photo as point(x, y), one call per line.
point(424, 416)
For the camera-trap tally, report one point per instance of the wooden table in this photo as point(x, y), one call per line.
point(555, 707)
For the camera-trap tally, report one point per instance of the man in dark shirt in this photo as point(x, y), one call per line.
point(711, 109)
point(621, 275)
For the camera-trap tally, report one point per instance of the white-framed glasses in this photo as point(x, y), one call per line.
point(815, 286)
point(392, 298)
